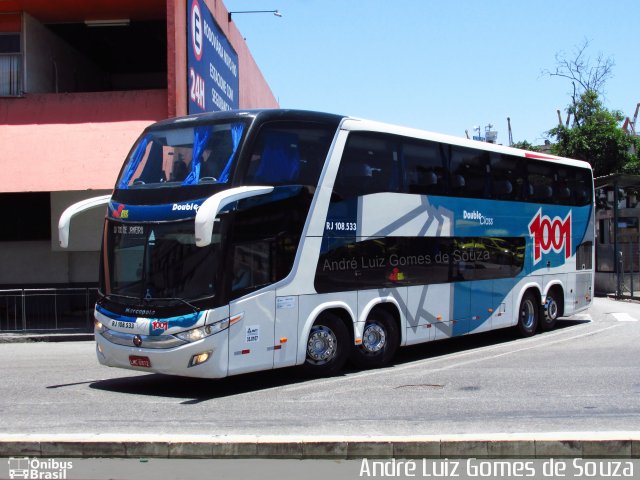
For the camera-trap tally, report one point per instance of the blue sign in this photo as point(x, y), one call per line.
point(212, 64)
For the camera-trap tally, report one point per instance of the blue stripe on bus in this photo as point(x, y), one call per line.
point(182, 321)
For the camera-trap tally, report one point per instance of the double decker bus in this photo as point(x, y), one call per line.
point(251, 240)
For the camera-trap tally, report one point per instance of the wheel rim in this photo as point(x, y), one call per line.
point(527, 314)
point(551, 308)
point(322, 345)
point(374, 338)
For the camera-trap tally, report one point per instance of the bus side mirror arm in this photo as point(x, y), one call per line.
point(64, 223)
point(214, 204)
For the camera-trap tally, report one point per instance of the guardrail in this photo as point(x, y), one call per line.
point(47, 309)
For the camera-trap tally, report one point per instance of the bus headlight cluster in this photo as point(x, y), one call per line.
point(99, 326)
point(202, 332)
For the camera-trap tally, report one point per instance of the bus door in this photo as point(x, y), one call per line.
point(251, 336)
point(286, 331)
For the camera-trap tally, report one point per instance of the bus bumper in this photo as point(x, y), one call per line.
point(171, 361)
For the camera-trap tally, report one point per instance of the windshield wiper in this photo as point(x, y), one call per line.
point(109, 296)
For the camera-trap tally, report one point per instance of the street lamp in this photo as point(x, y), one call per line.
point(275, 12)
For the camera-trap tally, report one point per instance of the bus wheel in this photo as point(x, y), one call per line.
point(379, 341)
point(551, 311)
point(327, 346)
point(528, 315)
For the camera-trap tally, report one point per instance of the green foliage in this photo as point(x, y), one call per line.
point(596, 137)
point(524, 145)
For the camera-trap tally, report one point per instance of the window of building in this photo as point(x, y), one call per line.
point(10, 65)
point(25, 216)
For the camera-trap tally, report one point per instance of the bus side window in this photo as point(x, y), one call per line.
point(561, 186)
point(279, 158)
point(469, 173)
point(540, 178)
point(369, 165)
point(423, 168)
point(581, 186)
point(506, 177)
point(251, 265)
point(288, 154)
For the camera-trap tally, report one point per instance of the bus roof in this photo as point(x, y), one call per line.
point(358, 124)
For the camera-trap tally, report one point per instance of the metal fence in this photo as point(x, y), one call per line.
point(47, 309)
point(629, 268)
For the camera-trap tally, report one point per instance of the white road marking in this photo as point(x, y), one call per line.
point(623, 317)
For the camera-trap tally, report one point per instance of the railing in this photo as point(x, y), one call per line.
point(628, 281)
point(10, 74)
point(47, 309)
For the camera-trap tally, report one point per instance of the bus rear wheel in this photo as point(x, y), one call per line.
point(528, 315)
point(379, 341)
point(552, 309)
point(327, 346)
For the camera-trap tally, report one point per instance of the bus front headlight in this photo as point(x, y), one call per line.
point(99, 326)
point(199, 333)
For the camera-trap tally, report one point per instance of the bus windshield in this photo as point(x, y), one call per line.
point(175, 157)
point(159, 262)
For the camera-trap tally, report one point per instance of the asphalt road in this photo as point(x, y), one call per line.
point(582, 377)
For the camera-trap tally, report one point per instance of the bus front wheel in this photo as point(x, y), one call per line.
point(528, 315)
point(327, 346)
point(379, 341)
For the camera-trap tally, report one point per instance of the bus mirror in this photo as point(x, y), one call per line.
point(214, 204)
point(65, 219)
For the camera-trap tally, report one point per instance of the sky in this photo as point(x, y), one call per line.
point(446, 66)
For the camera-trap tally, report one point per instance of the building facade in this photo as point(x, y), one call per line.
point(79, 81)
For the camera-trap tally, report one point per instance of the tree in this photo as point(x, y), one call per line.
point(596, 137)
point(524, 145)
point(583, 74)
point(594, 134)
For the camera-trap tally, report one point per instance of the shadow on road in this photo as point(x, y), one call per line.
point(197, 390)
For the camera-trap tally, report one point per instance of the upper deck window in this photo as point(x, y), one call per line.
point(289, 153)
point(174, 157)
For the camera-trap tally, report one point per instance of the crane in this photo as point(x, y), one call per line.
point(629, 125)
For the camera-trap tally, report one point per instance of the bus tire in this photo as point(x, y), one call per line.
point(528, 314)
point(551, 310)
point(380, 341)
point(327, 346)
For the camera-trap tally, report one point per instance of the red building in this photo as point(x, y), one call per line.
point(78, 82)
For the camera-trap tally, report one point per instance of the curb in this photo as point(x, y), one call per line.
point(45, 337)
point(593, 445)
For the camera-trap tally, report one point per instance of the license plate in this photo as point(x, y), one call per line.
point(137, 361)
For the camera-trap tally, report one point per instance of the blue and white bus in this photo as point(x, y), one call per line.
point(252, 240)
